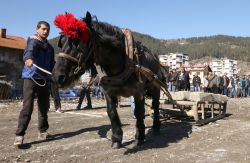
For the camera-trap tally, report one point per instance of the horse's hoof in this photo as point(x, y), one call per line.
point(116, 145)
point(138, 142)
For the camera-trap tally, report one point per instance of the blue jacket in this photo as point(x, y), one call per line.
point(42, 54)
point(243, 83)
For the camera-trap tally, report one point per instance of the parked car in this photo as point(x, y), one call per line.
point(68, 94)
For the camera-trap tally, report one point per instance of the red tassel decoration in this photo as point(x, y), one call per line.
point(72, 27)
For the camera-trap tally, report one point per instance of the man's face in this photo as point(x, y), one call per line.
point(43, 31)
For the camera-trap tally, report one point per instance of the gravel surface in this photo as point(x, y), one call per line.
point(84, 136)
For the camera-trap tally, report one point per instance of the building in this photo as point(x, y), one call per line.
point(174, 60)
point(11, 53)
point(224, 65)
point(201, 69)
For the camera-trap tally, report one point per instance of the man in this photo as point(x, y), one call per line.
point(183, 80)
point(86, 89)
point(244, 86)
point(225, 83)
point(38, 51)
point(248, 90)
point(132, 106)
point(212, 82)
point(232, 83)
point(174, 80)
point(97, 90)
point(168, 80)
point(197, 83)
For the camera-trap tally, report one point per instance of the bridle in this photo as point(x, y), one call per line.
point(81, 62)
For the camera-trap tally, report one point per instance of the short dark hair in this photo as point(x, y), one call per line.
point(42, 22)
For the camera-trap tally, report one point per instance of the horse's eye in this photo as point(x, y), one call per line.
point(75, 43)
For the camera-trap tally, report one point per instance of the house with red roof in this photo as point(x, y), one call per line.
point(201, 69)
point(11, 60)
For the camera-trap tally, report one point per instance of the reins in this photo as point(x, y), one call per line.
point(80, 63)
point(63, 55)
point(45, 71)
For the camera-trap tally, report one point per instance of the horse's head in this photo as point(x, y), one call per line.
point(75, 48)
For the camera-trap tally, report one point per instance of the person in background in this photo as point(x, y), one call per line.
point(248, 86)
point(212, 82)
point(244, 86)
point(233, 92)
point(132, 105)
point(183, 80)
point(219, 83)
point(86, 89)
point(205, 84)
point(197, 83)
point(38, 51)
point(217, 80)
point(238, 87)
point(188, 81)
point(225, 83)
point(168, 82)
point(56, 97)
point(98, 91)
point(174, 80)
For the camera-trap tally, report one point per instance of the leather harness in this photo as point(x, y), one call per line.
point(133, 65)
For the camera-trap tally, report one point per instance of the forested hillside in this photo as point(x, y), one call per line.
point(214, 46)
point(197, 47)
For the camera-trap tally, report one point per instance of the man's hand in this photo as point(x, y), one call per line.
point(29, 62)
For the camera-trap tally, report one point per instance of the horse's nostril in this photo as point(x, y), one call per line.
point(61, 79)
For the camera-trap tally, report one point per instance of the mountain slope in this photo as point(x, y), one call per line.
point(197, 47)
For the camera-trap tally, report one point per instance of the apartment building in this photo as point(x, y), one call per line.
point(224, 65)
point(174, 60)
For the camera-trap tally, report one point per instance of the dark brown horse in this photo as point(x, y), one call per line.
point(106, 47)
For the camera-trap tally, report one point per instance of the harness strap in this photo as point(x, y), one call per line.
point(63, 55)
point(129, 41)
point(153, 79)
point(130, 59)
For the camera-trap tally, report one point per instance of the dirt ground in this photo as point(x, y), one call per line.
point(84, 136)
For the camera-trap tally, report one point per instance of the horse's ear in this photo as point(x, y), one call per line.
point(59, 43)
point(88, 19)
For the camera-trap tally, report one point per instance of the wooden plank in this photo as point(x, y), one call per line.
point(217, 109)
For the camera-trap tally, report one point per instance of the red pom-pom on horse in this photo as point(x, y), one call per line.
point(72, 26)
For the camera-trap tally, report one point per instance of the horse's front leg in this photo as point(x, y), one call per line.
point(115, 121)
point(155, 106)
point(140, 116)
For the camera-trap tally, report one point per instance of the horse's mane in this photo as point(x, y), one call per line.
point(107, 29)
point(108, 33)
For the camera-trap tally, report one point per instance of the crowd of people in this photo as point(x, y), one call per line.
point(178, 81)
point(234, 86)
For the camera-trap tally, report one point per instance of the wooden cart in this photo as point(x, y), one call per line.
point(202, 107)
